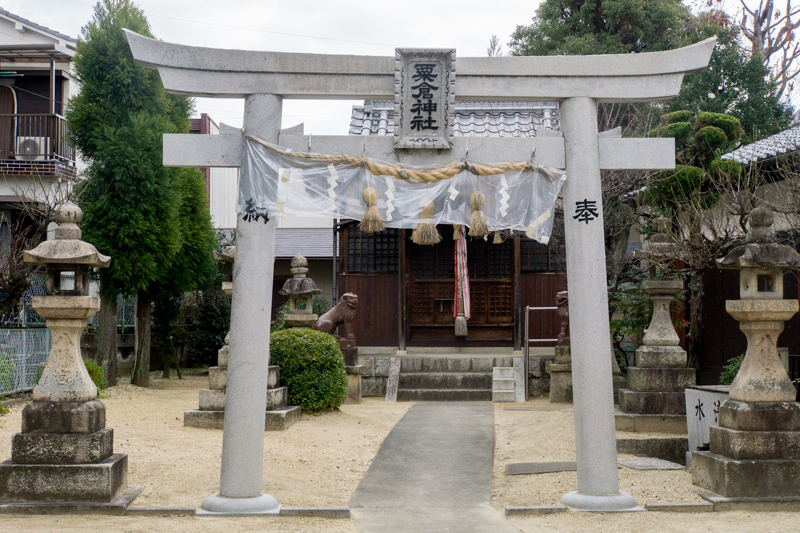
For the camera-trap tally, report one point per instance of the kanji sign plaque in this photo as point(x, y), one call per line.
point(424, 97)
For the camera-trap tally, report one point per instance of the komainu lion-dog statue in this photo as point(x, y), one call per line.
point(342, 313)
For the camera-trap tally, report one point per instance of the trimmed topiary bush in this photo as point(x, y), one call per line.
point(710, 138)
point(312, 368)
point(677, 116)
point(96, 373)
point(730, 370)
point(728, 124)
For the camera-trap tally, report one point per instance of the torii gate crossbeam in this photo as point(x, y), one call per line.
point(578, 83)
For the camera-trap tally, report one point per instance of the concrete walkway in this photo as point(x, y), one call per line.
point(433, 473)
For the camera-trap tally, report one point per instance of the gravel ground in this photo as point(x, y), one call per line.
point(539, 436)
point(319, 461)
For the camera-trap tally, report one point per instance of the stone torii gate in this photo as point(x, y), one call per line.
point(578, 83)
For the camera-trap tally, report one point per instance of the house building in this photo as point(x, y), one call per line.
point(35, 83)
point(505, 276)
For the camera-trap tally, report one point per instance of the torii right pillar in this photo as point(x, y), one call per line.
point(592, 386)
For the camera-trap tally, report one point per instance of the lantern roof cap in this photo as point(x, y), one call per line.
point(760, 249)
point(228, 254)
point(67, 248)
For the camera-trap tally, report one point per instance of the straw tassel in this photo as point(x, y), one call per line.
point(477, 222)
point(426, 232)
point(372, 222)
point(498, 239)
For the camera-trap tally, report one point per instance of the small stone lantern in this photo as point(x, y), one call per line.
point(66, 310)
point(761, 311)
point(654, 399)
point(755, 451)
point(64, 452)
point(300, 288)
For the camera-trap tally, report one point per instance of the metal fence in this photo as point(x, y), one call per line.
point(22, 352)
point(25, 341)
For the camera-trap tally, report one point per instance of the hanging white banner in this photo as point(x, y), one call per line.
point(276, 182)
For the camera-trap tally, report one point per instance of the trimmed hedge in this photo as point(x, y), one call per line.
point(312, 368)
point(726, 169)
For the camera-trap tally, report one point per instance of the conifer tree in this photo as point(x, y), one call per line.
point(135, 210)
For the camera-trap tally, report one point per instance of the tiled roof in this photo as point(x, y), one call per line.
point(472, 119)
point(781, 143)
point(313, 243)
point(37, 26)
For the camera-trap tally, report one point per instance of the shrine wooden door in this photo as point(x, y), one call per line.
point(430, 293)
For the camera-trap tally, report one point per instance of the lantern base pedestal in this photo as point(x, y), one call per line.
point(754, 453)
point(61, 483)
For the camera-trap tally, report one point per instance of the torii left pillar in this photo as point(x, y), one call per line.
point(243, 431)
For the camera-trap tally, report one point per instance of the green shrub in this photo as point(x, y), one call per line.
point(679, 130)
point(8, 371)
point(312, 368)
point(725, 169)
point(96, 373)
point(3, 411)
point(728, 124)
point(673, 186)
point(677, 116)
point(730, 370)
point(710, 138)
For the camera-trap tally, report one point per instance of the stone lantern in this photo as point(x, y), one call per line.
point(212, 401)
point(300, 288)
point(654, 400)
point(65, 452)
point(755, 451)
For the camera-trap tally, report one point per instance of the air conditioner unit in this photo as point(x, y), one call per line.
point(33, 148)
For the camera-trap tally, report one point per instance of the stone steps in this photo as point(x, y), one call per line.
point(444, 395)
point(447, 376)
point(503, 384)
point(445, 380)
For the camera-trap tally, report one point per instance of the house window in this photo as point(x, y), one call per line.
point(372, 252)
point(538, 257)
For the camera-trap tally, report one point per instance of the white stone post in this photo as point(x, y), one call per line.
point(595, 437)
point(246, 395)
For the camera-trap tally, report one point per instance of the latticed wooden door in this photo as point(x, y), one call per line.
point(431, 287)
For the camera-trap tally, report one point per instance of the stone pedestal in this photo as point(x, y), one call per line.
point(659, 377)
point(211, 414)
point(353, 384)
point(561, 376)
point(63, 454)
point(349, 351)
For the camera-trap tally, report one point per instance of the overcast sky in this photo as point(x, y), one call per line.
point(367, 27)
point(315, 26)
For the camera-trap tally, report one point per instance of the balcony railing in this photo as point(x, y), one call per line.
point(35, 138)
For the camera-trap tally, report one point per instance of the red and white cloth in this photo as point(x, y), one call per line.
point(462, 273)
